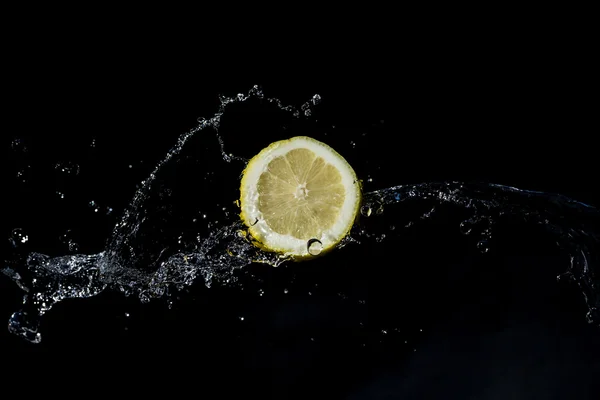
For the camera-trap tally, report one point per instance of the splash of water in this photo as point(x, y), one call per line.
point(141, 257)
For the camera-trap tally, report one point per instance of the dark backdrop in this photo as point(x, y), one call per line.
point(439, 320)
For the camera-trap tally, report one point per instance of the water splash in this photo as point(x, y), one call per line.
point(163, 244)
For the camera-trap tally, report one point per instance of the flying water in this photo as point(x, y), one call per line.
point(164, 242)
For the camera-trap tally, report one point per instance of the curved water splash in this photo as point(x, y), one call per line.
point(141, 259)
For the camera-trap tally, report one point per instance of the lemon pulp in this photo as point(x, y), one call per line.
point(299, 197)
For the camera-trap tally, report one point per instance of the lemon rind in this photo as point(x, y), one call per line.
point(288, 245)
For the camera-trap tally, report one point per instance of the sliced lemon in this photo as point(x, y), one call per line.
point(299, 197)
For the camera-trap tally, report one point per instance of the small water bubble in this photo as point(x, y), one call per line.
point(285, 291)
point(483, 246)
point(130, 166)
point(241, 318)
point(384, 332)
point(261, 292)
point(127, 315)
point(67, 236)
point(94, 206)
point(316, 99)
point(67, 168)
point(314, 247)
point(60, 195)
point(108, 210)
point(25, 326)
point(24, 174)
point(18, 145)
point(93, 143)
point(466, 227)
point(380, 238)
point(353, 144)
point(366, 210)
point(18, 237)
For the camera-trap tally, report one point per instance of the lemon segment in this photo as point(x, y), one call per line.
point(298, 195)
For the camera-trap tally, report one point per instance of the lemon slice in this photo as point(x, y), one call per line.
point(299, 197)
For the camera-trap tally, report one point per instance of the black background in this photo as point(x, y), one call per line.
point(510, 109)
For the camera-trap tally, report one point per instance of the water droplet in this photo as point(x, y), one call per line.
point(261, 292)
point(61, 195)
point(366, 210)
point(109, 210)
point(381, 238)
point(18, 145)
point(93, 144)
point(466, 227)
point(353, 144)
point(384, 332)
point(285, 291)
point(241, 318)
point(127, 315)
point(24, 174)
point(316, 99)
point(67, 236)
point(483, 246)
point(18, 237)
point(25, 326)
point(314, 247)
point(73, 247)
point(67, 168)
